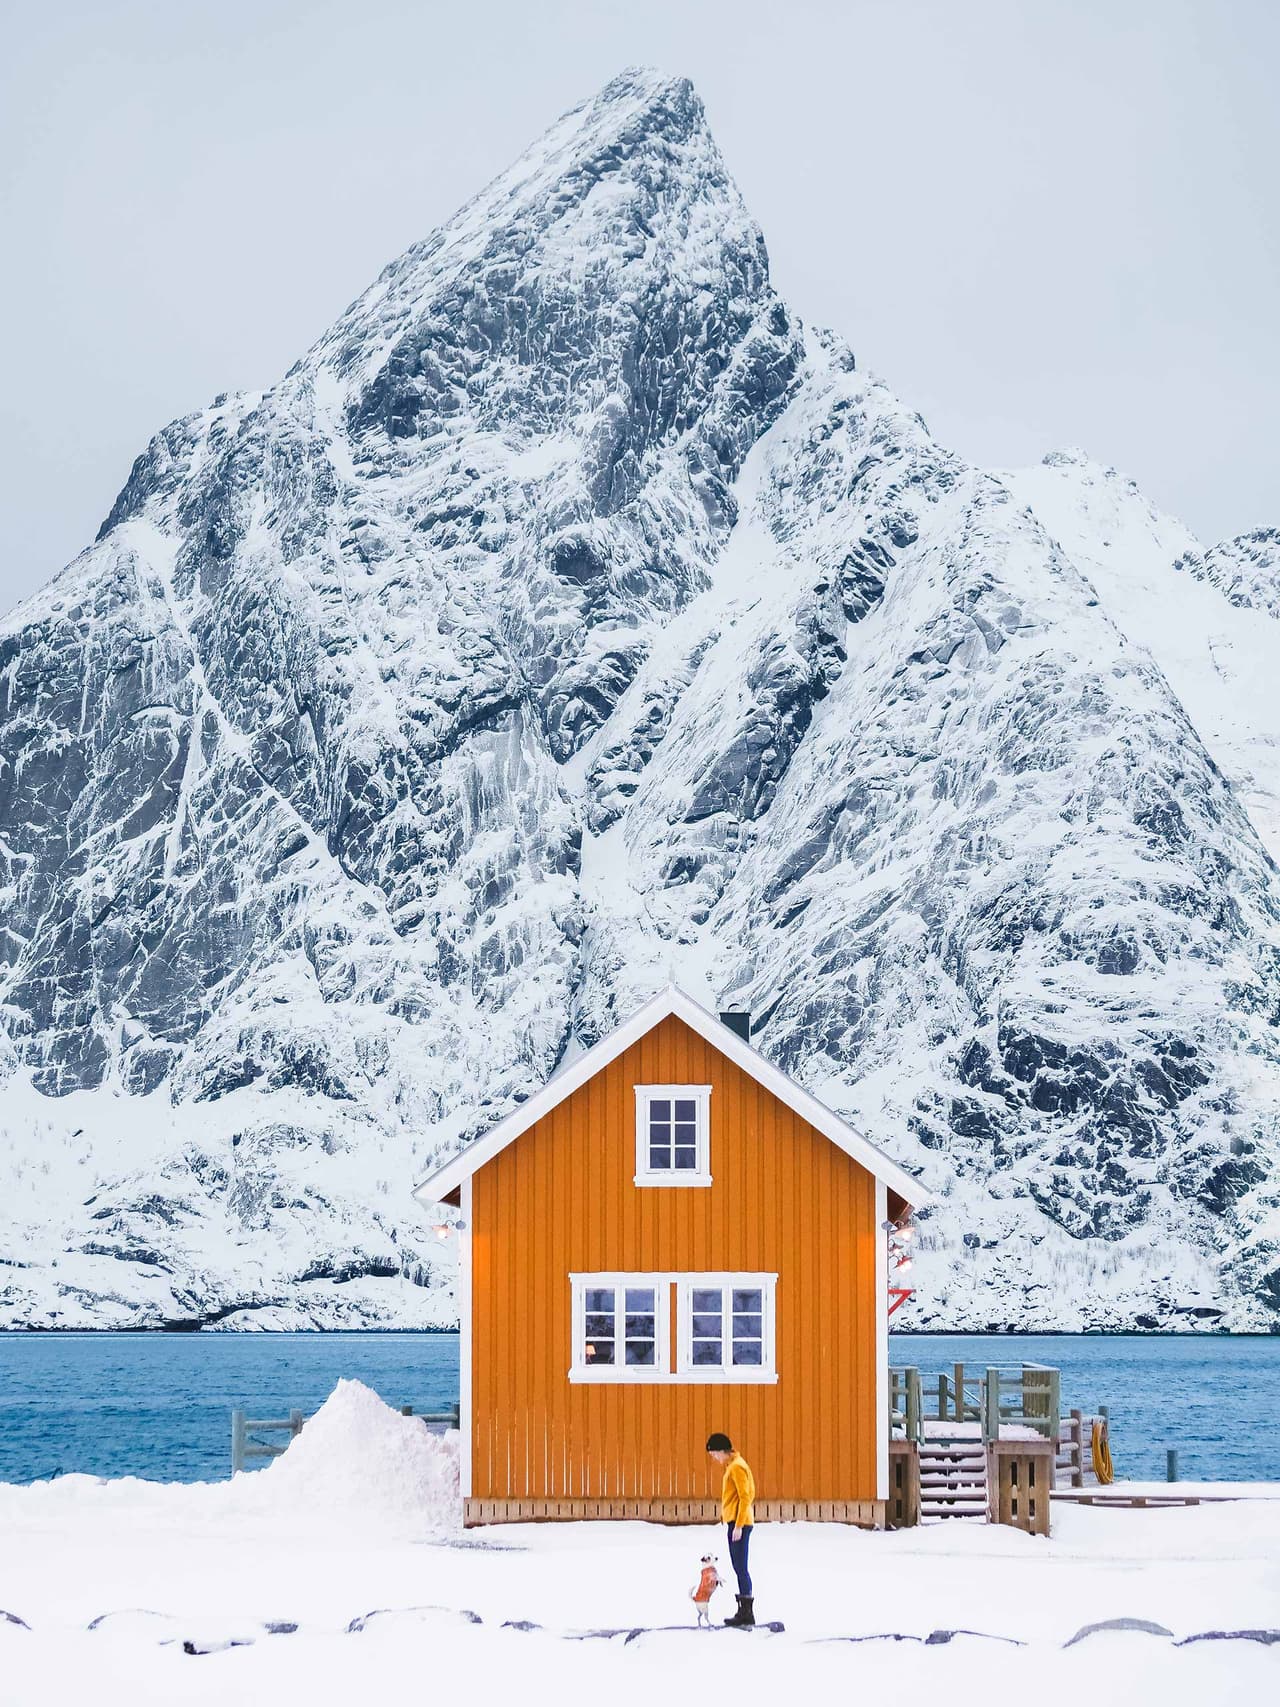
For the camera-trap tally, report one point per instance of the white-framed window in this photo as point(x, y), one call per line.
point(725, 1327)
point(621, 1327)
point(673, 1135)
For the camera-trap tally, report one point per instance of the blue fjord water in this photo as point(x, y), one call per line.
point(159, 1405)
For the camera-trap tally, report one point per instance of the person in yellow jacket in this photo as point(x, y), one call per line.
point(737, 1503)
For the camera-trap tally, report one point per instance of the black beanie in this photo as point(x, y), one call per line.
point(719, 1443)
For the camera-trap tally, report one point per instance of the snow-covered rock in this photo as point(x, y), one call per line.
point(1247, 569)
point(569, 618)
point(1166, 595)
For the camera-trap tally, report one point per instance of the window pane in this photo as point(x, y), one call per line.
point(640, 1352)
point(686, 1133)
point(686, 1109)
point(687, 1159)
point(706, 1352)
point(600, 1351)
point(599, 1327)
point(660, 1109)
point(599, 1298)
point(706, 1298)
point(640, 1298)
point(749, 1300)
point(748, 1327)
point(706, 1327)
point(640, 1327)
point(747, 1351)
point(659, 1156)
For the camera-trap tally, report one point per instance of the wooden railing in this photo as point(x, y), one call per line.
point(1026, 1393)
point(1075, 1446)
point(906, 1410)
point(244, 1429)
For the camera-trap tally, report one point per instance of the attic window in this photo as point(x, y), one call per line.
point(673, 1135)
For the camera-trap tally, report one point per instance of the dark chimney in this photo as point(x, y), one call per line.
point(741, 1023)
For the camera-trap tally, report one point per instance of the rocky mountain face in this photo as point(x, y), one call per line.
point(1247, 569)
point(570, 618)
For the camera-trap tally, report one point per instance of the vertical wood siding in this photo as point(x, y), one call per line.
point(561, 1200)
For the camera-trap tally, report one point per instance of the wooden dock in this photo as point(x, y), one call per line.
point(988, 1444)
point(1142, 1496)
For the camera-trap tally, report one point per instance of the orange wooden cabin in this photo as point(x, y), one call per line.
point(670, 1238)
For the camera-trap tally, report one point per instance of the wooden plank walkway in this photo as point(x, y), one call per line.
point(1152, 1495)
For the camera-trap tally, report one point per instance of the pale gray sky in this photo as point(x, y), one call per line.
point(1044, 222)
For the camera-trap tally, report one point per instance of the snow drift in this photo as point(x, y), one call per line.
point(570, 618)
point(357, 1461)
point(358, 1467)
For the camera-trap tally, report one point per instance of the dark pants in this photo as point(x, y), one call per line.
point(738, 1559)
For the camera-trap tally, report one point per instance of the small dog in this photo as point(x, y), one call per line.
point(708, 1583)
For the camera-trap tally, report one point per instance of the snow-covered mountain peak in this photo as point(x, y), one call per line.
point(1247, 569)
point(568, 619)
point(1069, 456)
point(624, 184)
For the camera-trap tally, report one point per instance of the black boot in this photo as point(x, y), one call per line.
point(744, 1618)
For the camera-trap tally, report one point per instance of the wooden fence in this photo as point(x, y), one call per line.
point(245, 1445)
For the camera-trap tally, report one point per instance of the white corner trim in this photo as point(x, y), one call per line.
point(880, 1304)
point(465, 1398)
point(450, 1175)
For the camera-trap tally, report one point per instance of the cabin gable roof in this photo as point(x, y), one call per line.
point(447, 1178)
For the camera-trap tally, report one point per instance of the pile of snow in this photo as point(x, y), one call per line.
point(362, 1463)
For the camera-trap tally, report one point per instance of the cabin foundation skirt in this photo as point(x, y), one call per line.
point(867, 1514)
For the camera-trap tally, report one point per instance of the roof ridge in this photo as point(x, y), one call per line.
point(671, 999)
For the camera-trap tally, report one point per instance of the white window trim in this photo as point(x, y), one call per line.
point(747, 1374)
point(622, 1374)
point(700, 1175)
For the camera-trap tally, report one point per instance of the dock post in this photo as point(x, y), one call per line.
point(991, 1405)
point(1077, 1459)
point(1171, 1464)
point(237, 1442)
point(914, 1407)
point(295, 1424)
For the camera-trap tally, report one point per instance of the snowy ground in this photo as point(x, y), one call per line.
point(110, 1580)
